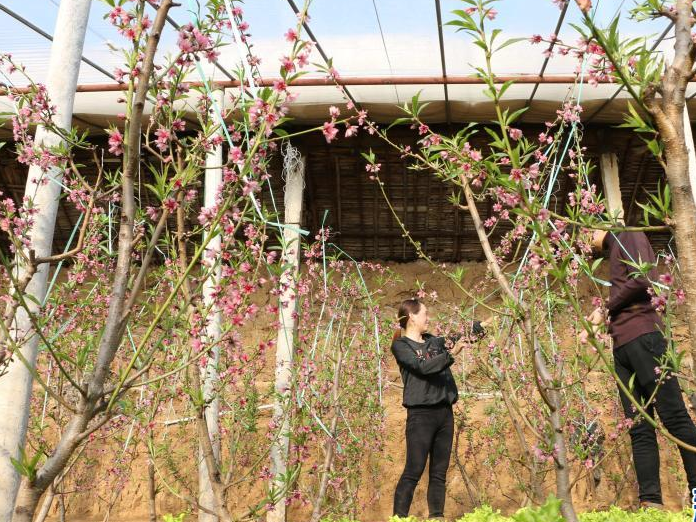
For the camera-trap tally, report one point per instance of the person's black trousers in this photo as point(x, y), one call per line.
point(640, 357)
point(429, 432)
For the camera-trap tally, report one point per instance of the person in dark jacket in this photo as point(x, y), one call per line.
point(429, 393)
point(636, 329)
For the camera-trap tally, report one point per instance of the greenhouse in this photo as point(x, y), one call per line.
point(370, 260)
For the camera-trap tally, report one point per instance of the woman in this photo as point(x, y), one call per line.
point(429, 393)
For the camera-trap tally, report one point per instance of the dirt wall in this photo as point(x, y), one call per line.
point(497, 484)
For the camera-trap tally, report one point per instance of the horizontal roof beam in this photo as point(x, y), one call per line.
point(520, 79)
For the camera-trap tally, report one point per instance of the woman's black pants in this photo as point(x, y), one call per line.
point(429, 432)
point(640, 357)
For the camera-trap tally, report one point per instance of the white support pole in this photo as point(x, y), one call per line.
point(689, 138)
point(209, 377)
point(16, 385)
point(609, 166)
point(294, 185)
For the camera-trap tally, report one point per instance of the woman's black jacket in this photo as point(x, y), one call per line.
point(425, 371)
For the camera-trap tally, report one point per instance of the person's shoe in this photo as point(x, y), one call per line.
point(644, 504)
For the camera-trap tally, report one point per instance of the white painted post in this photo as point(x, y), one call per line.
point(294, 186)
point(609, 166)
point(15, 386)
point(209, 377)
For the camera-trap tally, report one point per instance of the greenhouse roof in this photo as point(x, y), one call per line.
point(386, 50)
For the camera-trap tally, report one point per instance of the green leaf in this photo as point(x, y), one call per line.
point(655, 148)
point(631, 382)
point(504, 88)
point(481, 44)
point(26, 467)
point(519, 112)
point(400, 121)
point(596, 263)
point(369, 157)
point(509, 41)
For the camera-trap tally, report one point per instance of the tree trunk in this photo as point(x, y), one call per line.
point(31, 490)
point(27, 501)
point(672, 120)
point(217, 487)
point(669, 114)
point(284, 348)
point(542, 375)
point(151, 487)
point(528, 458)
point(91, 400)
point(46, 504)
point(15, 386)
point(208, 452)
point(691, 162)
point(684, 211)
point(213, 181)
point(330, 446)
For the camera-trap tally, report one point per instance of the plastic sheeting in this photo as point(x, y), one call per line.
point(349, 33)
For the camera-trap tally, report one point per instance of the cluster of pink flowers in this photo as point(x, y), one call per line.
point(31, 154)
point(191, 41)
point(660, 297)
point(588, 201)
point(514, 235)
point(329, 129)
point(559, 235)
point(526, 176)
point(570, 112)
point(127, 23)
point(8, 63)
point(544, 455)
point(17, 221)
point(667, 279)
point(35, 107)
point(164, 136)
point(600, 69)
point(509, 199)
point(115, 141)
point(373, 169)
point(289, 64)
point(473, 154)
point(488, 13)
point(262, 111)
point(430, 138)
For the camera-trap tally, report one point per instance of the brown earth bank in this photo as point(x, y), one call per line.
point(496, 482)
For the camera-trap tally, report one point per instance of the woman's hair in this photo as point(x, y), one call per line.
point(408, 306)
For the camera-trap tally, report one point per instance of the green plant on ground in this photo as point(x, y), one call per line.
point(643, 515)
point(174, 518)
point(550, 512)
